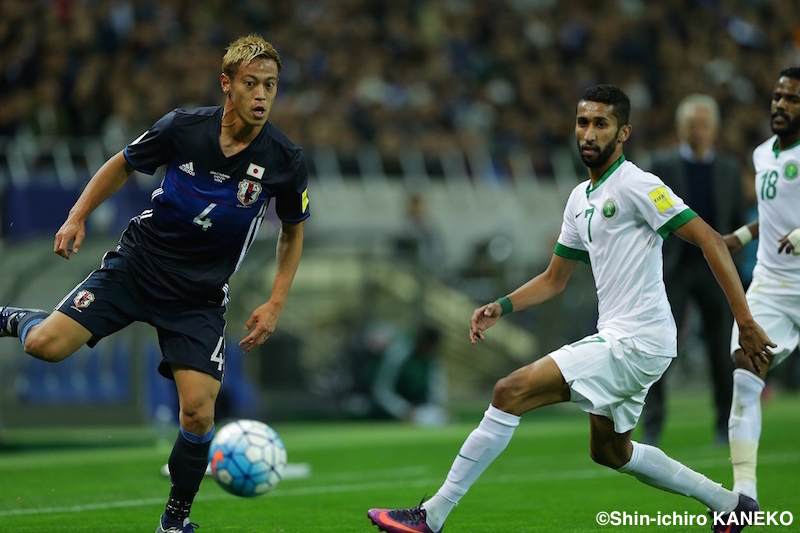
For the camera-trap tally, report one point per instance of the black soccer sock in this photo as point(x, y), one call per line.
point(187, 466)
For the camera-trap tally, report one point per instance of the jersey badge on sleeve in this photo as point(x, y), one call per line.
point(248, 192)
point(255, 171)
point(305, 200)
point(661, 198)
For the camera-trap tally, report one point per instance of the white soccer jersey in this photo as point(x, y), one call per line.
point(618, 226)
point(778, 191)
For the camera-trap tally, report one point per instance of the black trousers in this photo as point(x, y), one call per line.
point(695, 282)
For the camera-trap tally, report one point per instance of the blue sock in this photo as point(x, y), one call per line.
point(30, 319)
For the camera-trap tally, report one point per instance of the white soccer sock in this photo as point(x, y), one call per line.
point(482, 446)
point(744, 430)
point(653, 467)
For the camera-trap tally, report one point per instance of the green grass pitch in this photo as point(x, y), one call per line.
point(544, 481)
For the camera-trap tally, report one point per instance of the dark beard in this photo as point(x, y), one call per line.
point(602, 157)
point(791, 128)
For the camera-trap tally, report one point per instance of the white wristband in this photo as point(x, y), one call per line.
point(744, 235)
point(794, 238)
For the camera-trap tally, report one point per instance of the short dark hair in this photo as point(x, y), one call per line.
point(613, 96)
point(791, 72)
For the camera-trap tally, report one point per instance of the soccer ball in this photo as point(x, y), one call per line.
point(247, 458)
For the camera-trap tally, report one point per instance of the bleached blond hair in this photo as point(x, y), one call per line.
point(246, 49)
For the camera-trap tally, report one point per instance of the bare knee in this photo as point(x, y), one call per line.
point(504, 395)
point(197, 416)
point(604, 458)
point(758, 368)
point(614, 455)
point(740, 360)
point(41, 345)
point(606, 446)
point(197, 394)
point(55, 338)
point(535, 385)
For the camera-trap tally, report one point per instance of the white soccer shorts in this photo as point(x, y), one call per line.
point(778, 313)
point(609, 378)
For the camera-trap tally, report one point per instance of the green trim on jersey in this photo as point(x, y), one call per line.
point(676, 222)
point(608, 172)
point(777, 151)
point(571, 253)
point(588, 340)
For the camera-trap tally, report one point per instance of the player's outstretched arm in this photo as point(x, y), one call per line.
point(108, 180)
point(752, 338)
point(540, 289)
point(738, 239)
point(262, 321)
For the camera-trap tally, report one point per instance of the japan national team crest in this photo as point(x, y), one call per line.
point(248, 192)
point(83, 299)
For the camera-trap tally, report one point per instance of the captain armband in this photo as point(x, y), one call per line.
point(744, 234)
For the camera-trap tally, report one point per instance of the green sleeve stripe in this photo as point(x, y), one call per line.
point(676, 222)
point(571, 253)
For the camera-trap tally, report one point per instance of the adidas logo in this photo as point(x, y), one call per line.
point(188, 168)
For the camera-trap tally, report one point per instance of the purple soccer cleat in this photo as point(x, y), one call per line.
point(409, 520)
point(744, 515)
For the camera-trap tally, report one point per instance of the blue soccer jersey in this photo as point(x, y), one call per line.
point(209, 207)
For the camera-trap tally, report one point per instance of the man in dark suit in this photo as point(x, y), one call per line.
point(711, 183)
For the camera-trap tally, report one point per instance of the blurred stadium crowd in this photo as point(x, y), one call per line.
point(428, 77)
point(434, 74)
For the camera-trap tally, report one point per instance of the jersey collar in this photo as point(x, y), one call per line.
point(776, 150)
point(611, 169)
point(217, 129)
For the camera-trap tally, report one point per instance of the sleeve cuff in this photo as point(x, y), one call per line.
point(134, 167)
point(295, 220)
point(571, 253)
point(676, 222)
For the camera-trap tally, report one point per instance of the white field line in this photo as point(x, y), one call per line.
point(781, 458)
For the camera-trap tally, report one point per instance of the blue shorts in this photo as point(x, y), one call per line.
point(110, 299)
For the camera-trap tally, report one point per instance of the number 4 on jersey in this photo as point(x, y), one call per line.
point(219, 354)
point(201, 219)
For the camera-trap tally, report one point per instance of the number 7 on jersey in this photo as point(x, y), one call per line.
point(589, 213)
